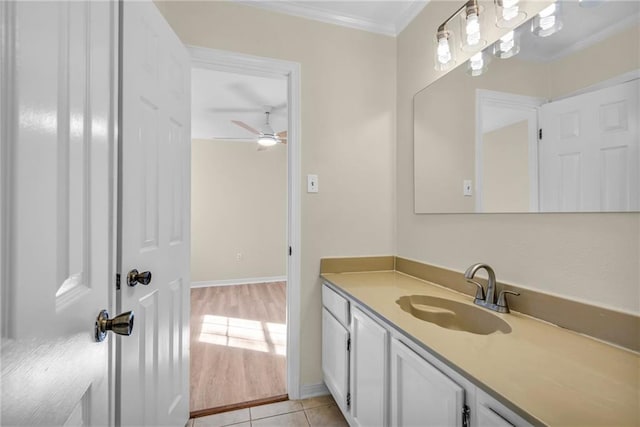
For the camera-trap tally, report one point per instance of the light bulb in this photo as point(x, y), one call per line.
point(267, 140)
point(444, 52)
point(473, 29)
point(510, 9)
point(547, 11)
point(507, 42)
point(476, 62)
point(548, 21)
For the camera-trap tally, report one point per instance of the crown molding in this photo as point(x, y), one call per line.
point(302, 10)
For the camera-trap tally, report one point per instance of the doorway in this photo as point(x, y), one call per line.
point(244, 275)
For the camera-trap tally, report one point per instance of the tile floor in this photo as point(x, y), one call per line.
point(314, 412)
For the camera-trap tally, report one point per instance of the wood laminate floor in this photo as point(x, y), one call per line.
point(238, 344)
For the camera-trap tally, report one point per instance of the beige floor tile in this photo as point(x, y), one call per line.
point(314, 402)
point(278, 408)
point(223, 419)
point(294, 419)
point(326, 416)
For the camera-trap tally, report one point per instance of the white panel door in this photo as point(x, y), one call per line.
point(368, 371)
point(57, 237)
point(335, 358)
point(590, 152)
point(421, 395)
point(155, 132)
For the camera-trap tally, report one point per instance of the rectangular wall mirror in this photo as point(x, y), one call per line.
point(551, 129)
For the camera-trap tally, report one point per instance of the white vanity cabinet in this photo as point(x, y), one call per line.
point(369, 349)
point(379, 377)
point(421, 395)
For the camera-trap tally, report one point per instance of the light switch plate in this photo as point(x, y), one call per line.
point(312, 183)
point(466, 188)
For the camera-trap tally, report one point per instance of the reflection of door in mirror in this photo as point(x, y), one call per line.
point(506, 152)
point(589, 152)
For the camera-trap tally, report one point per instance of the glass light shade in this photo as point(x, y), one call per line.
point(508, 13)
point(471, 27)
point(507, 45)
point(267, 140)
point(477, 64)
point(548, 21)
point(444, 50)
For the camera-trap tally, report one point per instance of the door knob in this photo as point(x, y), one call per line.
point(121, 324)
point(134, 277)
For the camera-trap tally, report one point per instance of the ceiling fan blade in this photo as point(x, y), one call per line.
point(284, 141)
point(246, 126)
point(261, 148)
point(282, 135)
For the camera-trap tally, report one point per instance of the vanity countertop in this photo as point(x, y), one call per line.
point(553, 375)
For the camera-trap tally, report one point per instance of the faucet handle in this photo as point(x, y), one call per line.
point(479, 290)
point(503, 306)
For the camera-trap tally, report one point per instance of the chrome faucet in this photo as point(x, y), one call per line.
point(501, 306)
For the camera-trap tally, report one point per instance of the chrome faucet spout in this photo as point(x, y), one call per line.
point(491, 283)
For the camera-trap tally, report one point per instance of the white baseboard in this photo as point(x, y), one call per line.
point(230, 282)
point(313, 390)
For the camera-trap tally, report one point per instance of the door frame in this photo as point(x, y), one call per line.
point(221, 60)
point(528, 106)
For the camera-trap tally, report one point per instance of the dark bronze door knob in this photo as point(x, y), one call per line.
point(134, 277)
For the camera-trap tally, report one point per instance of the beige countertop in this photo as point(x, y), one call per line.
point(554, 375)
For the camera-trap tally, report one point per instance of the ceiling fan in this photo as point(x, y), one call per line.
point(267, 137)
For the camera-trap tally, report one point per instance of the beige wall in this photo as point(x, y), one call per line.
point(609, 58)
point(588, 257)
point(348, 131)
point(238, 206)
point(505, 169)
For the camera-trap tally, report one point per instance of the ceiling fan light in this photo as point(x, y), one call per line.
point(267, 140)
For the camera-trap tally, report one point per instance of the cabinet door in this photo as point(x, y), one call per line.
point(368, 371)
point(421, 395)
point(335, 358)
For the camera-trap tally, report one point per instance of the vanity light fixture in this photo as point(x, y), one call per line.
point(507, 45)
point(477, 64)
point(508, 13)
point(470, 27)
point(548, 21)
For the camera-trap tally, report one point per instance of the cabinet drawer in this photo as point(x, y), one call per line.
point(335, 304)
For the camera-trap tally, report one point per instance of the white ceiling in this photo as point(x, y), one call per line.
point(218, 97)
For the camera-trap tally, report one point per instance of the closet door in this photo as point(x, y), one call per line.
point(590, 152)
